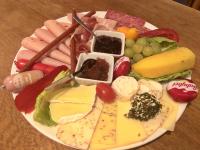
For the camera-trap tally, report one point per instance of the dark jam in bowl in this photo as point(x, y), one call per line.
point(99, 71)
point(107, 44)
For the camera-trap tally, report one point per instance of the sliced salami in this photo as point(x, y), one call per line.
point(125, 19)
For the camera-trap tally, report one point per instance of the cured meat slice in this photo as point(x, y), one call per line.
point(124, 19)
point(105, 24)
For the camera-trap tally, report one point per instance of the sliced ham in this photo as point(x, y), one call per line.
point(37, 45)
point(28, 54)
point(48, 37)
point(125, 20)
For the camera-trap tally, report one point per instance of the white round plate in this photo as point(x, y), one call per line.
point(50, 132)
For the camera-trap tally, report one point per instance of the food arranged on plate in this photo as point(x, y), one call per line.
point(114, 89)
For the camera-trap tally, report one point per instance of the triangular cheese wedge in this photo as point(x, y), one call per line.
point(105, 132)
point(78, 134)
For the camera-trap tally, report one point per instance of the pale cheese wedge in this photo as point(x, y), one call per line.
point(78, 134)
point(173, 106)
point(80, 95)
point(105, 132)
point(71, 104)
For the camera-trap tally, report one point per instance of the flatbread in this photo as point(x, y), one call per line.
point(78, 134)
point(154, 124)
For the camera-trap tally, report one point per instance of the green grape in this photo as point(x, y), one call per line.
point(147, 51)
point(137, 57)
point(156, 47)
point(129, 52)
point(129, 42)
point(137, 48)
point(142, 41)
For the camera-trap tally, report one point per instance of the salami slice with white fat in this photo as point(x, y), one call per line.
point(125, 20)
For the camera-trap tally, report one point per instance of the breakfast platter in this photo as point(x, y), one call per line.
point(120, 89)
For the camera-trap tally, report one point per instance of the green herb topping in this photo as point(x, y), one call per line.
point(144, 107)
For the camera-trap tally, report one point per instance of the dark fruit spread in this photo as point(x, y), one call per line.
point(99, 71)
point(107, 44)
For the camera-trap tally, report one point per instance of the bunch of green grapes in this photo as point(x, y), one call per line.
point(142, 47)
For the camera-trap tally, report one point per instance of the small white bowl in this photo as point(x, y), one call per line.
point(84, 56)
point(110, 34)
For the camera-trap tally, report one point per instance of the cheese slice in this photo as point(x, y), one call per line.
point(128, 130)
point(67, 112)
point(173, 107)
point(71, 104)
point(80, 95)
point(78, 134)
point(105, 132)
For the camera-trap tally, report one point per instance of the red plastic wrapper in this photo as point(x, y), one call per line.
point(182, 90)
point(122, 67)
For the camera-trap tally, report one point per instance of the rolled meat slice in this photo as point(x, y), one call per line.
point(48, 37)
point(55, 27)
point(28, 54)
point(37, 45)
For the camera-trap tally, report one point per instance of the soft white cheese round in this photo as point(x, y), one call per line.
point(150, 86)
point(125, 86)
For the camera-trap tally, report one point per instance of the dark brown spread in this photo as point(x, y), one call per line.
point(99, 71)
point(107, 44)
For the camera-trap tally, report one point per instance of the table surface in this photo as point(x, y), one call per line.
point(19, 18)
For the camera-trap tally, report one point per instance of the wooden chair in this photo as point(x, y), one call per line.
point(196, 4)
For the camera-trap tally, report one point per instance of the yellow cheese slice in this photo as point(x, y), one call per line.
point(105, 132)
point(71, 104)
point(128, 130)
point(78, 134)
point(65, 112)
point(81, 94)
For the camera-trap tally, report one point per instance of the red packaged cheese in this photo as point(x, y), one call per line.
point(182, 90)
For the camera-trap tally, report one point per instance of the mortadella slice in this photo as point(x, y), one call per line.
point(48, 37)
point(37, 45)
point(55, 27)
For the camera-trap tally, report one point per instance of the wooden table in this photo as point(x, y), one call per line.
point(19, 18)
